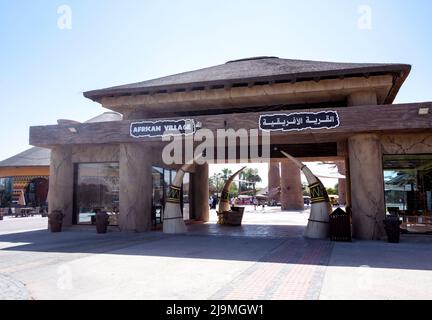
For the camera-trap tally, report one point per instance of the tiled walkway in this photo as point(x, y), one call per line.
point(294, 270)
point(265, 258)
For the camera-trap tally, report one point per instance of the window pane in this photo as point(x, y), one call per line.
point(186, 189)
point(408, 190)
point(97, 188)
point(6, 191)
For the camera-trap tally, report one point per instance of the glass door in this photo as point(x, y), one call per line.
point(408, 190)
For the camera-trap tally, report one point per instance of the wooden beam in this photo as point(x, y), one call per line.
point(382, 118)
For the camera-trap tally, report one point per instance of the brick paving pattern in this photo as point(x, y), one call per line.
point(293, 271)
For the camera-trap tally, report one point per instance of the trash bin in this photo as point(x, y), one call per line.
point(55, 220)
point(102, 222)
point(340, 226)
point(392, 227)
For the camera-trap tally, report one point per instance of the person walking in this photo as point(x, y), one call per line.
point(255, 202)
point(214, 203)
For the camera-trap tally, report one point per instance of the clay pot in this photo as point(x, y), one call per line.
point(102, 222)
point(392, 228)
point(55, 220)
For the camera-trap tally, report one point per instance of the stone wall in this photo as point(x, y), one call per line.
point(410, 143)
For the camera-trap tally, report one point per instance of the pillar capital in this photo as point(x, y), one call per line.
point(362, 98)
point(363, 137)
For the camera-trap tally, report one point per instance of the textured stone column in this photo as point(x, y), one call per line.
point(367, 186)
point(291, 191)
point(136, 186)
point(274, 181)
point(342, 183)
point(200, 193)
point(61, 183)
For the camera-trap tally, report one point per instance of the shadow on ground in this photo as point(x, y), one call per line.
point(264, 243)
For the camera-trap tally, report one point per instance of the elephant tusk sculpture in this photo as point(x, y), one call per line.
point(224, 204)
point(319, 221)
point(173, 222)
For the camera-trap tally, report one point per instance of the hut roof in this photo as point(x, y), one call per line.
point(33, 157)
point(255, 71)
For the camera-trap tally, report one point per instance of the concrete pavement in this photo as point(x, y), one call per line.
point(264, 259)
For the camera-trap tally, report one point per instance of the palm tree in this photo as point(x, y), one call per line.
point(252, 177)
point(226, 173)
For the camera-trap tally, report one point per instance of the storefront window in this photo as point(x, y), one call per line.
point(408, 190)
point(97, 188)
point(186, 189)
point(6, 188)
point(158, 195)
point(37, 192)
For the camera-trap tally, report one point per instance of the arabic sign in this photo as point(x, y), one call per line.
point(162, 127)
point(299, 121)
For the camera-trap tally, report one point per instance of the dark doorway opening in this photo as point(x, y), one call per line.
point(37, 192)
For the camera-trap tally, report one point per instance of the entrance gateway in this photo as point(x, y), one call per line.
point(338, 112)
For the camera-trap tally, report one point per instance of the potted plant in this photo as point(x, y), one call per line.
point(55, 220)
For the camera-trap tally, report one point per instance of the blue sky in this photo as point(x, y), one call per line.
point(44, 69)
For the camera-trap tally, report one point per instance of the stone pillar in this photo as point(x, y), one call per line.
point(367, 186)
point(200, 194)
point(291, 190)
point(348, 183)
point(136, 185)
point(342, 183)
point(61, 183)
point(362, 98)
point(274, 181)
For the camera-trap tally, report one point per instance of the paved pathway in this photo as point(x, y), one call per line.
point(294, 270)
point(264, 259)
point(11, 289)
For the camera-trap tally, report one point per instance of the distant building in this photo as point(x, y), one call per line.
point(29, 171)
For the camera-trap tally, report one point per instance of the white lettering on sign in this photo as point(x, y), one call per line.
point(160, 128)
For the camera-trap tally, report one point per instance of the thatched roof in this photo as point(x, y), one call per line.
point(257, 71)
point(33, 157)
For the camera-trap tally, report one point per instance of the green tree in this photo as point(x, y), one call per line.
point(331, 191)
point(218, 180)
point(226, 173)
point(249, 178)
point(216, 183)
